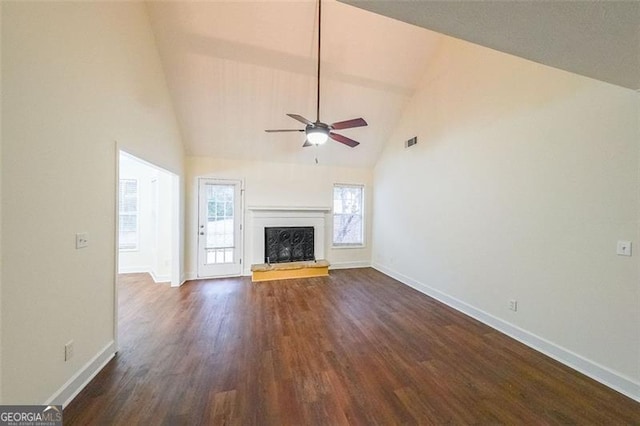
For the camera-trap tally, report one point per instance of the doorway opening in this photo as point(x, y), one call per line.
point(148, 220)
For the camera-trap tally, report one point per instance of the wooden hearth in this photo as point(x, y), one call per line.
point(283, 271)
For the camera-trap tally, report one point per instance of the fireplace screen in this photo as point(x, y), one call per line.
point(288, 244)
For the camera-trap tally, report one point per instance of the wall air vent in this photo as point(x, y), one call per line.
point(411, 142)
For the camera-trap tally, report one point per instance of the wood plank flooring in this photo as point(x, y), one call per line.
point(356, 347)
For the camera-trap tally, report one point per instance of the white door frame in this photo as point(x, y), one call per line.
point(238, 215)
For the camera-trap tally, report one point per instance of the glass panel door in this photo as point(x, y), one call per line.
point(219, 228)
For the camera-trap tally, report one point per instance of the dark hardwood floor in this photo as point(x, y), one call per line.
point(356, 347)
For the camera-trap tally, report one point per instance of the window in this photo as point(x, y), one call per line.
point(220, 223)
point(348, 215)
point(128, 224)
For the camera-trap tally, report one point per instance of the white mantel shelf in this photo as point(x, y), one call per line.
point(289, 208)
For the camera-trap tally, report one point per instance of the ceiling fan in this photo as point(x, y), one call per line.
point(318, 132)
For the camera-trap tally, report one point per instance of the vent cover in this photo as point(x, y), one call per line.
point(411, 142)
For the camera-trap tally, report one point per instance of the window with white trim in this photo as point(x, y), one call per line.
point(128, 214)
point(348, 215)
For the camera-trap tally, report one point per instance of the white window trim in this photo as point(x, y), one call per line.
point(335, 246)
point(137, 247)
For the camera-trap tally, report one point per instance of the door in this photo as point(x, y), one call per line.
point(219, 227)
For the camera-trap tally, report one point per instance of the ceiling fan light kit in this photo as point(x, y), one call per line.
point(317, 132)
point(317, 138)
point(317, 135)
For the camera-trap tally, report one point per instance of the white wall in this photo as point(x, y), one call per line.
point(523, 180)
point(162, 256)
point(141, 259)
point(281, 185)
point(77, 77)
point(153, 254)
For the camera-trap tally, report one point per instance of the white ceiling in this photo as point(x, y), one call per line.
point(598, 39)
point(236, 68)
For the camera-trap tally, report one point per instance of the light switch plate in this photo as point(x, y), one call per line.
point(82, 240)
point(624, 248)
point(68, 351)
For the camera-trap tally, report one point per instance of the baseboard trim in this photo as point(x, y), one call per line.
point(350, 265)
point(602, 374)
point(159, 278)
point(81, 379)
point(145, 270)
point(190, 276)
point(134, 269)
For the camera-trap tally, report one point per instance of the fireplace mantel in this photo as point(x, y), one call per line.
point(276, 216)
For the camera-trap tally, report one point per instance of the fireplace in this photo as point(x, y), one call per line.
point(288, 244)
point(262, 217)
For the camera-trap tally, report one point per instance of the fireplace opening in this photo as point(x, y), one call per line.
point(288, 244)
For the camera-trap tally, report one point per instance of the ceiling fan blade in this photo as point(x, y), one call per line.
point(300, 119)
point(348, 124)
point(306, 144)
point(343, 139)
point(284, 130)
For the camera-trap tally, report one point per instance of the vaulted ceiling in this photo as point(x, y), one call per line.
point(596, 38)
point(235, 69)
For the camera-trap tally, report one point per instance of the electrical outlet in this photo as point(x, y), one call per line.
point(513, 305)
point(82, 240)
point(623, 248)
point(68, 350)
